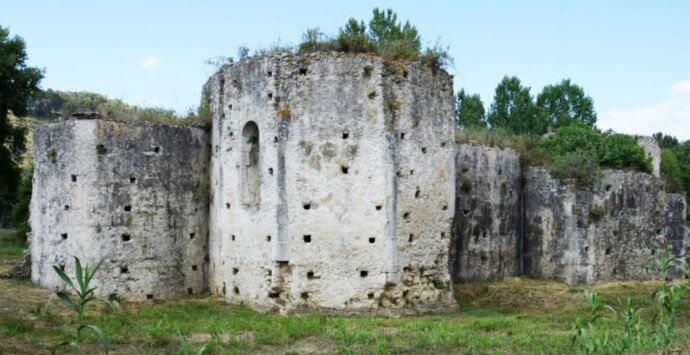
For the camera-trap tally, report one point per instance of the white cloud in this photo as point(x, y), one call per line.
point(149, 63)
point(671, 115)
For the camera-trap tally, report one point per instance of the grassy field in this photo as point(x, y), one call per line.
point(511, 316)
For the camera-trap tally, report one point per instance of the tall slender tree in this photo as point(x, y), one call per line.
point(470, 111)
point(565, 103)
point(513, 108)
point(18, 82)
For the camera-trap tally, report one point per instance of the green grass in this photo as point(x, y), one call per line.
point(11, 245)
point(513, 316)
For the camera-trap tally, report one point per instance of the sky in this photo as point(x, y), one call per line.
point(631, 57)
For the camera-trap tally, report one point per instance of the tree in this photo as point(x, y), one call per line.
point(665, 141)
point(565, 103)
point(402, 40)
point(513, 108)
point(18, 83)
point(469, 111)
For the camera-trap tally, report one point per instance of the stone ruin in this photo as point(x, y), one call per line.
point(327, 182)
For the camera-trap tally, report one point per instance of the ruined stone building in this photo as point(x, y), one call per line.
point(329, 182)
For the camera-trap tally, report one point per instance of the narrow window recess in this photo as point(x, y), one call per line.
point(190, 291)
point(227, 205)
point(364, 273)
point(128, 208)
point(424, 150)
point(191, 235)
point(233, 237)
point(411, 172)
point(230, 108)
point(416, 193)
point(410, 238)
point(132, 179)
point(275, 139)
point(372, 240)
point(402, 135)
point(270, 73)
point(268, 238)
point(126, 237)
point(74, 178)
point(236, 290)
point(270, 171)
point(307, 238)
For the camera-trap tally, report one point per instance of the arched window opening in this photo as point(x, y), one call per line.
point(250, 178)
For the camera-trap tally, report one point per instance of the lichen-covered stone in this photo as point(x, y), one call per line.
point(333, 183)
point(131, 193)
point(613, 232)
point(485, 228)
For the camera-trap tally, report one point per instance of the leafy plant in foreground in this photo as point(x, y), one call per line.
point(603, 334)
point(85, 294)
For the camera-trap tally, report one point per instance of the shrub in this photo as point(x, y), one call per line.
point(573, 138)
point(580, 166)
point(671, 171)
point(620, 151)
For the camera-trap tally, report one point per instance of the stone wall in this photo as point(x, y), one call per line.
point(486, 224)
point(511, 221)
point(348, 163)
point(131, 193)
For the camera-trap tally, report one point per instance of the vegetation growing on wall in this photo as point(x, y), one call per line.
point(675, 164)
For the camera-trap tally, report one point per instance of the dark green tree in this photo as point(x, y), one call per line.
point(19, 215)
point(565, 103)
point(665, 141)
point(469, 111)
point(513, 109)
point(18, 83)
point(401, 40)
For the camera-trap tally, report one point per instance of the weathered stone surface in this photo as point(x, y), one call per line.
point(131, 193)
point(652, 150)
point(333, 183)
point(487, 213)
point(610, 233)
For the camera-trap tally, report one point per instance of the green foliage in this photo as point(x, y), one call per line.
point(101, 149)
point(671, 171)
point(186, 348)
point(384, 35)
point(620, 151)
point(564, 104)
point(665, 141)
point(20, 210)
point(596, 213)
point(575, 138)
point(469, 111)
point(85, 294)
point(52, 156)
point(513, 109)
point(579, 166)
point(630, 331)
point(19, 83)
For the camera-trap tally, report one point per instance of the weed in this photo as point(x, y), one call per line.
point(596, 213)
point(52, 156)
point(101, 149)
point(186, 348)
point(85, 294)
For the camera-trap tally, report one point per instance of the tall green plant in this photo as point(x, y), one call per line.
point(85, 294)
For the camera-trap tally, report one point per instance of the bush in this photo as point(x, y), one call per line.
point(580, 166)
point(620, 151)
point(574, 138)
point(671, 171)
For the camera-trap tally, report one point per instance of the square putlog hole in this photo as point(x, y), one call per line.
point(149, 296)
point(372, 240)
point(74, 178)
point(128, 208)
point(364, 273)
point(307, 238)
point(132, 180)
point(63, 236)
point(126, 237)
point(310, 275)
